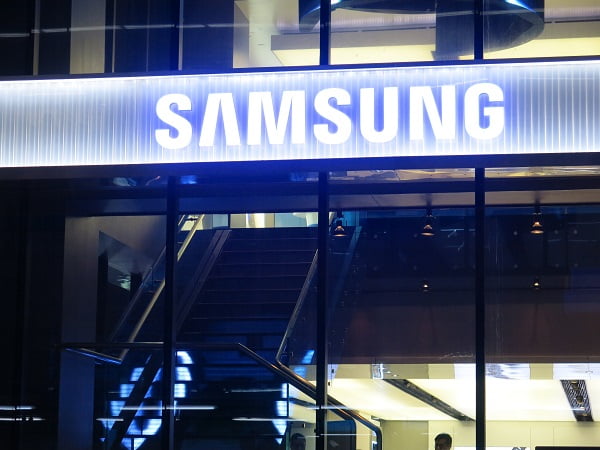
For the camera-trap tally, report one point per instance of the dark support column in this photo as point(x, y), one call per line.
point(16, 389)
point(322, 341)
point(169, 329)
point(480, 308)
point(478, 29)
point(325, 33)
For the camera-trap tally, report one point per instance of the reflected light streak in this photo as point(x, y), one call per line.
point(175, 408)
point(262, 419)
point(16, 407)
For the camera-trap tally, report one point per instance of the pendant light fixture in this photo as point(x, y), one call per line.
point(338, 229)
point(537, 227)
point(428, 227)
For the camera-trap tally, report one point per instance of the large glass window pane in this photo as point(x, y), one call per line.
point(247, 252)
point(400, 306)
point(87, 248)
point(541, 28)
point(397, 31)
point(541, 351)
point(249, 33)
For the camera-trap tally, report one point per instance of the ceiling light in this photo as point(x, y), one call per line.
point(536, 226)
point(428, 227)
point(338, 229)
point(536, 284)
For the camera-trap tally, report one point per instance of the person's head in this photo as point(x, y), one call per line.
point(443, 441)
point(297, 442)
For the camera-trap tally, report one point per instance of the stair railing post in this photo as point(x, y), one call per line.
point(322, 338)
point(167, 424)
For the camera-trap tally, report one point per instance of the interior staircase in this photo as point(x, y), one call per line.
point(237, 286)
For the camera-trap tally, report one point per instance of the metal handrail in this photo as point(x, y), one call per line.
point(140, 323)
point(293, 378)
point(140, 291)
point(298, 307)
point(306, 287)
point(162, 285)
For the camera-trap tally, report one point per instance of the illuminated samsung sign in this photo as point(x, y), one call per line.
point(496, 109)
point(334, 118)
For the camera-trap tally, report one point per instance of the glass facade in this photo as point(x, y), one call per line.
point(110, 36)
point(301, 305)
point(107, 350)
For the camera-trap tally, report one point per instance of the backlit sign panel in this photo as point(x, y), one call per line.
point(495, 109)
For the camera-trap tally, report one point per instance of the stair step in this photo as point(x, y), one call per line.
point(242, 283)
point(304, 255)
point(256, 342)
point(237, 326)
point(269, 246)
point(261, 269)
point(254, 296)
point(268, 233)
point(242, 310)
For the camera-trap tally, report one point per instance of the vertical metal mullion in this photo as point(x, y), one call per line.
point(322, 341)
point(167, 423)
point(16, 393)
point(176, 51)
point(36, 38)
point(180, 36)
point(113, 57)
point(478, 10)
point(325, 33)
point(480, 426)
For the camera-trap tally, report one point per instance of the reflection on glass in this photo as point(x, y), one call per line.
point(226, 398)
point(131, 271)
point(395, 176)
point(538, 28)
point(392, 31)
point(400, 354)
point(121, 401)
point(551, 171)
point(542, 360)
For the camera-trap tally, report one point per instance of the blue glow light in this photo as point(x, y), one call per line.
point(188, 179)
point(152, 426)
point(108, 423)
point(281, 408)
point(284, 390)
point(520, 4)
point(125, 390)
point(183, 374)
point(148, 426)
point(180, 390)
point(133, 428)
point(184, 358)
point(308, 357)
point(135, 374)
point(301, 371)
point(150, 392)
point(116, 406)
point(280, 425)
